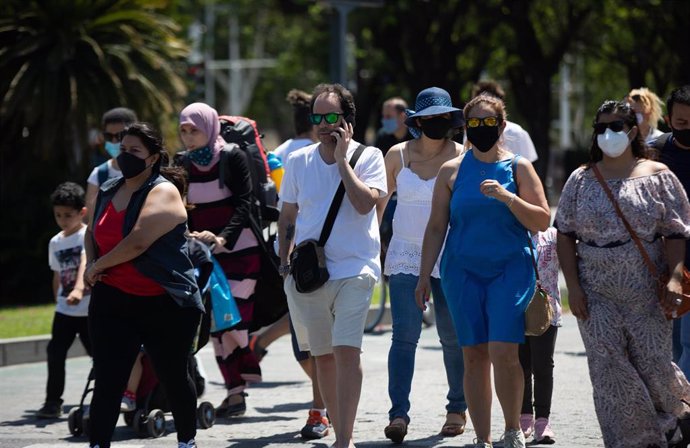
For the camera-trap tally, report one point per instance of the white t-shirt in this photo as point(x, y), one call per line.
point(290, 145)
point(64, 256)
point(518, 141)
point(112, 172)
point(353, 247)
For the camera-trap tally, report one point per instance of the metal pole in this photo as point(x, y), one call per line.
point(209, 82)
point(235, 72)
point(564, 93)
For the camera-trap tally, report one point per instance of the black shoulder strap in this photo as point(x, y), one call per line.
point(337, 200)
point(103, 172)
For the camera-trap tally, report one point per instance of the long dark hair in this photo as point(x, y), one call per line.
point(153, 142)
point(623, 111)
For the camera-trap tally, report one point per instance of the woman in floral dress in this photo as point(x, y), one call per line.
point(639, 394)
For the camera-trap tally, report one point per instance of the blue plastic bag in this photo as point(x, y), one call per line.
point(225, 311)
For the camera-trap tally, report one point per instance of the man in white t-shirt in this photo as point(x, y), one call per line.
point(114, 122)
point(516, 139)
point(330, 321)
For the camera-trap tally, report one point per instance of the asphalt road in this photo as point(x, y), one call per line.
point(277, 408)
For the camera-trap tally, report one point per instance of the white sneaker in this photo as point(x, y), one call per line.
point(513, 438)
point(190, 444)
point(128, 404)
point(479, 443)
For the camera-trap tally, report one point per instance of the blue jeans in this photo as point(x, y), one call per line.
point(407, 326)
point(684, 361)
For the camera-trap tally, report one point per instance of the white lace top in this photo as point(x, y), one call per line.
point(409, 222)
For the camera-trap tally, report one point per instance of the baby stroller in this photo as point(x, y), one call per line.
point(148, 418)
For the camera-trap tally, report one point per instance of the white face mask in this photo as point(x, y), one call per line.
point(613, 144)
point(639, 117)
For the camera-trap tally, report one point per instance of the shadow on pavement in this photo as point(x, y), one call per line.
point(285, 407)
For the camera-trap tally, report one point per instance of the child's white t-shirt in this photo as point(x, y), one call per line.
point(112, 172)
point(64, 256)
point(353, 247)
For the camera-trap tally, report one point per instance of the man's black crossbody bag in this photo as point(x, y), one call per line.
point(308, 259)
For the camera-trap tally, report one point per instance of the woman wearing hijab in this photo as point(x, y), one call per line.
point(221, 217)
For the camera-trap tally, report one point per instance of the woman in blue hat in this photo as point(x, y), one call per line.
point(485, 201)
point(411, 169)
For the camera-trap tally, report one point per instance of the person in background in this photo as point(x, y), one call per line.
point(330, 320)
point(411, 169)
point(485, 201)
point(113, 122)
point(647, 107)
point(515, 138)
point(317, 425)
point(67, 259)
point(393, 128)
point(143, 285)
point(536, 354)
point(304, 131)
point(640, 396)
point(673, 149)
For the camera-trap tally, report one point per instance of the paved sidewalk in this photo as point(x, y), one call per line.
point(277, 408)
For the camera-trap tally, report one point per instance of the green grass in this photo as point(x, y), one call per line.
point(19, 321)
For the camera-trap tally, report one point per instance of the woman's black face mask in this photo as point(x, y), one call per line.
point(435, 128)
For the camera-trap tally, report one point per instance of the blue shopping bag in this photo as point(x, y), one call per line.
point(225, 312)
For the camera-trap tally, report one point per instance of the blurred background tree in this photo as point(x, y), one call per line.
point(63, 63)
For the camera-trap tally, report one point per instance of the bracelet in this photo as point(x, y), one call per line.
point(284, 269)
point(510, 201)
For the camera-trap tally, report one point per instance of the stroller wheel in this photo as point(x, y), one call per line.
point(206, 415)
point(139, 423)
point(74, 421)
point(155, 424)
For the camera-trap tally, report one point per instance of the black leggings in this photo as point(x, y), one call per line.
point(119, 323)
point(536, 357)
point(65, 330)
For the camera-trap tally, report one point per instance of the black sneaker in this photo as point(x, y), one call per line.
point(50, 409)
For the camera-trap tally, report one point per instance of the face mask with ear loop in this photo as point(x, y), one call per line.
point(612, 143)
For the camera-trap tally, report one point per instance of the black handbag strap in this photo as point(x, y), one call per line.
point(513, 164)
point(337, 200)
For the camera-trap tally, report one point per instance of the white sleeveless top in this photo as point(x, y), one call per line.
point(409, 223)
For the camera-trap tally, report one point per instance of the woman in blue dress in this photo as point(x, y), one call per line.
point(486, 201)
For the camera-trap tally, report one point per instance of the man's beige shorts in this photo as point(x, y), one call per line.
point(333, 315)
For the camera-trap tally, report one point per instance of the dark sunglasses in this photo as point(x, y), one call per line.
point(109, 137)
point(615, 126)
point(487, 121)
point(331, 117)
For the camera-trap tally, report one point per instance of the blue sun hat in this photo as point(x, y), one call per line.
point(432, 101)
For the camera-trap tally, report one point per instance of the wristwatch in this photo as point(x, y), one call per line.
point(284, 269)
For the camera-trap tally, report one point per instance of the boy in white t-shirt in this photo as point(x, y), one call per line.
point(67, 259)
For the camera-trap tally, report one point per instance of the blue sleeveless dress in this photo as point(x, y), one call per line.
point(486, 270)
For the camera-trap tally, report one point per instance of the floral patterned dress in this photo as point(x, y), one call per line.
point(637, 388)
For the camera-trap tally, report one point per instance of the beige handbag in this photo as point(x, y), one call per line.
point(539, 314)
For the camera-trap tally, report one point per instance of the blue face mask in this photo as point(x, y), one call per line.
point(201, 156)
point(389, 125)
point(113, 149)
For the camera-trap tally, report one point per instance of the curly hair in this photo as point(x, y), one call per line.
point(627, 115)
point(69, 194)
point(301, 108)
point(347, 101)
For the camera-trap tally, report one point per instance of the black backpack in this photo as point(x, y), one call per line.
point(244, 133)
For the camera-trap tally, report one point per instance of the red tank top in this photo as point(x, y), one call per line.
point(124, 276)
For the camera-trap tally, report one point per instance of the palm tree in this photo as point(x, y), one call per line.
point(65, 62)
point(62, 64)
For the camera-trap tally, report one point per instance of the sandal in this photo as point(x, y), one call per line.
point(396, 430)
point(454, 425)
